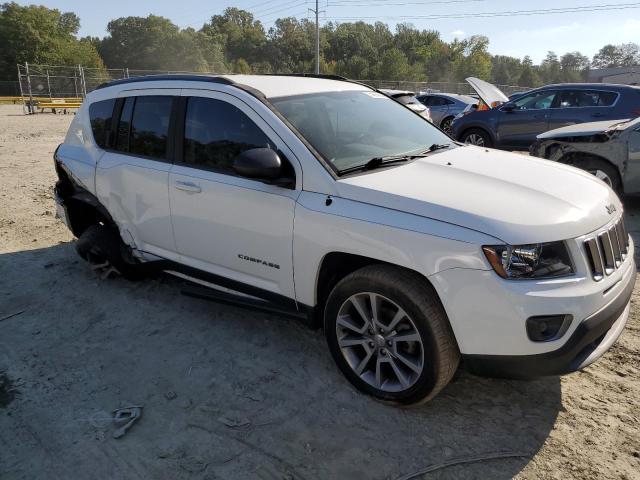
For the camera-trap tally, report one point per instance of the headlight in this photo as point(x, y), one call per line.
point(538, 260)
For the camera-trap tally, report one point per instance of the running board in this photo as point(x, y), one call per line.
point(252, 303)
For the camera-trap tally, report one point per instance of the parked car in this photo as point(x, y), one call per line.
point(513, 125)
point(609, 150)
point(329, 201)
point(445, 106)
point(409, 99)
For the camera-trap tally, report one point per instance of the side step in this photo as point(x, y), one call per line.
point(252, 303)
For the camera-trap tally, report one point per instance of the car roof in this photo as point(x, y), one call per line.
point(454, 96)
point(271, 86)
point(595, 86)
point(397, 93)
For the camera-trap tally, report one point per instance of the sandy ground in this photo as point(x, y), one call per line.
point(230, 393)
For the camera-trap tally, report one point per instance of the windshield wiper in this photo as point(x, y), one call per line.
point(385, 161)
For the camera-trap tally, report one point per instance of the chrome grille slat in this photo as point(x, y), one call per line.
point(607, 250)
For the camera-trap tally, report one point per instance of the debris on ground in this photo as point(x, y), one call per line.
point(125, 418)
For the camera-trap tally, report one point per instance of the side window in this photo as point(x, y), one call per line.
point(606, 99)
point(150, 126)
point(124, 125)
point(216, 132)
point(535, 101)
point(586, 98)
point(439, 102)
point(100, 114)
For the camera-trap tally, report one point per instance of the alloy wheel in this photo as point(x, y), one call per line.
point(475, 139)
point(602, 176)
point(380, 342)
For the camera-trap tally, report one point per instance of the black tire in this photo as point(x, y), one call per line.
point(445, 126)
point(418, 299)
point(100, 244)
point(477, 136)
point(597, 167)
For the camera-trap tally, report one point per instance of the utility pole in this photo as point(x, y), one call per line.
point(317, 13)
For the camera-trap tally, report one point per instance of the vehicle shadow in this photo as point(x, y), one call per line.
point(227, 392)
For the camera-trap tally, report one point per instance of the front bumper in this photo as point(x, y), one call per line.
point(589, 341)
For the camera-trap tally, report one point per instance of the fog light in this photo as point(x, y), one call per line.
point(547, 327)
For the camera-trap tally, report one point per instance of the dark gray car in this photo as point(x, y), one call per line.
point(610, 150)
point(514, 124)
point(445, 106)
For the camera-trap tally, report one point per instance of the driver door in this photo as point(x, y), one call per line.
point(523, 119)
point(225, 224)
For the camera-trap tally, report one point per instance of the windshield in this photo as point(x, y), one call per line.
point(350, 128)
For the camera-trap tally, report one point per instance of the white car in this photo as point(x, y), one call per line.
point(328, 200)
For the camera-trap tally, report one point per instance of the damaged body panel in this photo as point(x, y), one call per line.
point(610, 150)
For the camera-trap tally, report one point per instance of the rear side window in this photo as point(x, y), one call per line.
point(100, 114)
point(216, 132)
point(439, 102)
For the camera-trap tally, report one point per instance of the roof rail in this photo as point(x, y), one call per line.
point(157, 78)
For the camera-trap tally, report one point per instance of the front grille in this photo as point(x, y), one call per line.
point(607, 250)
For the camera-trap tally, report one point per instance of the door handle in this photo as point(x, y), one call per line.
point(188, 187)
point(597, 114)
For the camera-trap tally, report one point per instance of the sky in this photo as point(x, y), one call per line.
point(533, 35)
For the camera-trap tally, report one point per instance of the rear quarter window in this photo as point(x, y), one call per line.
point(100, 114)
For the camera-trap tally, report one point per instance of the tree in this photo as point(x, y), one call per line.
point(37, 34)
point(624, 55)
point(528, 77)
point(155, 43)
point(393, 65)
point(505, 70)
point(240, 35)
point(575, 67)
point(474, 60)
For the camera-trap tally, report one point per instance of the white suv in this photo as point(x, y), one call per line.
point(327, 199)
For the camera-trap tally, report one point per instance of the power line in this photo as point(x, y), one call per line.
point(512, 13)
point(278, 7)
point(372, 3)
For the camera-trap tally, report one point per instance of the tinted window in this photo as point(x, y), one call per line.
point(150, 126)
point(586, 98)
point(100, 116)
point(124, 125)
point(439, 102)
point(216, 132)
point(535, 101)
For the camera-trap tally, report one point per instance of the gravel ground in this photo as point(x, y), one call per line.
point(230, 393)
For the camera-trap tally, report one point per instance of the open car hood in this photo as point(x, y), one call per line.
point(490, 94)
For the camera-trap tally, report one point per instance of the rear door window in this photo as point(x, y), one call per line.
point(216, 132)
point(150, 126)
point(586, 98)
point(124, 125)
point(100, 114)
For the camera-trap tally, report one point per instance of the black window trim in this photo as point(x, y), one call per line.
point(598, 90)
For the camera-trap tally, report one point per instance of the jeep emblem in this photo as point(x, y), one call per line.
point(611, 208)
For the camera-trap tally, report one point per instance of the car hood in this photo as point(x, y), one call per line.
point(490, 94)
point(513, 197)
point(583, 129)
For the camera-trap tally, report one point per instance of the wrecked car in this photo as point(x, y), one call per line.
point(513, 124)
point(609, 150)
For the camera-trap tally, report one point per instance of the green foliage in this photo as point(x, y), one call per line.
point(40, 35)
point(235, 41)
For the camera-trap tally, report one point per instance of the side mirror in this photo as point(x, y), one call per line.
point(258, 163)
point(508, 107)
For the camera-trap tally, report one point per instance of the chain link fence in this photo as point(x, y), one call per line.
point(41, 83)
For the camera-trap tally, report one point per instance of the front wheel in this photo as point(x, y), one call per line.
point(389, 334)
point(477, 137)
point(445, 126)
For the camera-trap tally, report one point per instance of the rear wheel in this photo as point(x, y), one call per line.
point(476, 136)
point(389, 334)
point(102, 247)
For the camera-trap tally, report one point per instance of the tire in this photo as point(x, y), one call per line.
point(445, 126)
point(434, 358)
point(101, 245)
point(600, 169)
point(476, 136)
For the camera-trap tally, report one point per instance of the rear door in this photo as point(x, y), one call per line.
point(132, 176)
point(225, 224)
point(524, 118)
point(574, 106)
point(439, 108)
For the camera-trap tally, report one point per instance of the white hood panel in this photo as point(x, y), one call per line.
point(516, 198)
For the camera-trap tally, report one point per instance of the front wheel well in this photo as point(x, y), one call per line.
point(586, 161)
point(480, 130)
point(337, 265)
